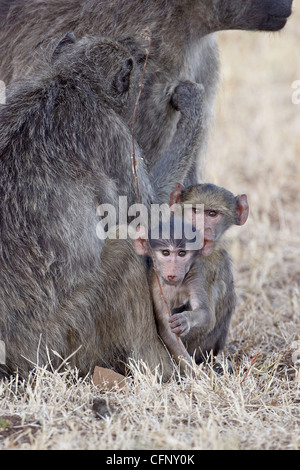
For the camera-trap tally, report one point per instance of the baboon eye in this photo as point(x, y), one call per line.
point(166, 252)
point(196, 210)
point(182, 253)
point(212, 213)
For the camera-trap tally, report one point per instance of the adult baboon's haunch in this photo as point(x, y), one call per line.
point(182, 46)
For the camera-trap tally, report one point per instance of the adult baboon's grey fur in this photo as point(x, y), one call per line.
point(183, 47)
point(62, 137)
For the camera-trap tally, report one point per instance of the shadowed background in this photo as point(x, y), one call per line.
point(255, 148)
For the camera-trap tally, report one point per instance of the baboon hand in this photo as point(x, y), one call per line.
point(180, 324)
point(188, 98)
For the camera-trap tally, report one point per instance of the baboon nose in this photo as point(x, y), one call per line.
point(171, 278)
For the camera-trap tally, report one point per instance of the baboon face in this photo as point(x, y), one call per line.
point(269, 15)
point(256, 15)
point(173, 264)
point(221, 208)
point(171, 257)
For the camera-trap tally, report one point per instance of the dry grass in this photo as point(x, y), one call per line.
point(255, 148)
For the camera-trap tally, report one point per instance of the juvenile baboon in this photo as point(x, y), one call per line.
point(62, 136)
point(197, 285)
point(183, 47)
point(221, 210)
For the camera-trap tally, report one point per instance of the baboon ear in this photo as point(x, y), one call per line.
point(242, 209)
point(122, 78)
point(68, 39)
point(176, 194)
point(208, 242)
point(140, 241)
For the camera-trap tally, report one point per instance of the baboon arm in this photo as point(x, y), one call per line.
point(172, 342)
point(173, 167)
point(201, 317)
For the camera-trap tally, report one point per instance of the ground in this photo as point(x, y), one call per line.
point(255, 149)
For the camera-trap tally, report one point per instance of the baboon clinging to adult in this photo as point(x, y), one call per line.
point(62, 137)
point(183, 47)
point(174, 277)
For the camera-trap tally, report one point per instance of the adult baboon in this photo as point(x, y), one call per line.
point(183, 47)
point(62, 137)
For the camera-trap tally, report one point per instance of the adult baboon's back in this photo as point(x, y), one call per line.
point(182, 46)
point(61, 136)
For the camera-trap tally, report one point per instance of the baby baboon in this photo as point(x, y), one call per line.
point(221, 210)
point(176, 278)
point(62, 137)
point(183, 47)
